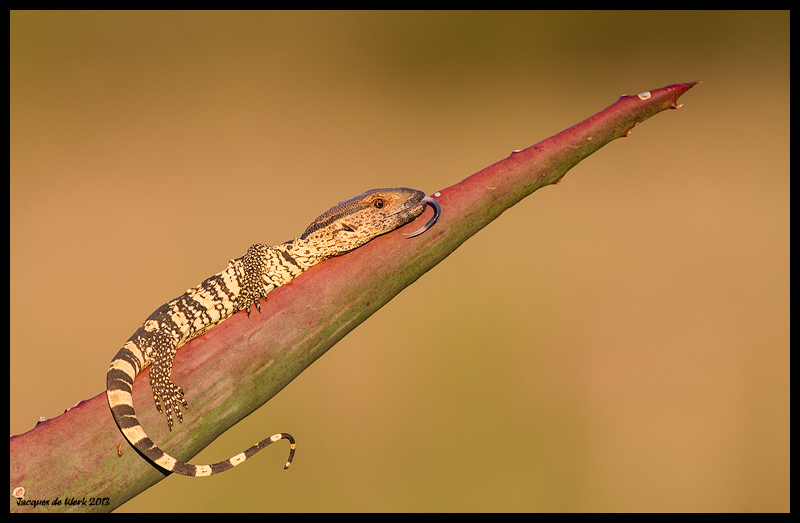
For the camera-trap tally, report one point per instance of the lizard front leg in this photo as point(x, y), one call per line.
point(251, 271)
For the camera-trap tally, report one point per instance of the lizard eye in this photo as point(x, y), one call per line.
point(378, 203)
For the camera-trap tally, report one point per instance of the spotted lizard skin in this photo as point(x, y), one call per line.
point(238, 287)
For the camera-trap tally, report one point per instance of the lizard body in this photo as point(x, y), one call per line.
point(238, 287)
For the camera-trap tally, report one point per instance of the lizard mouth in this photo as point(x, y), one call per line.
point(437, 211)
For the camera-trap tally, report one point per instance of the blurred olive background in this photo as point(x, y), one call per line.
point(619, 342)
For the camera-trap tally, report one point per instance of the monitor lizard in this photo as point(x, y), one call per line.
point(242, 284)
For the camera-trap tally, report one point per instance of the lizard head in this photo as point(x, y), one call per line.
point(354, 222)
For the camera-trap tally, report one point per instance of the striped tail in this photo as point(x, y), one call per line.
point(119, 386)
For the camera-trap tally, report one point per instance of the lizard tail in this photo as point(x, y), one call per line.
point(119, 385)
